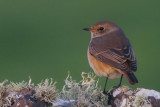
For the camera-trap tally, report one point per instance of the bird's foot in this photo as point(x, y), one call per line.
point(105, 92)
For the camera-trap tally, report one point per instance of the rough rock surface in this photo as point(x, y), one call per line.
point(125, 97)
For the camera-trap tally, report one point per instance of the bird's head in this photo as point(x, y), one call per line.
point(101, 28)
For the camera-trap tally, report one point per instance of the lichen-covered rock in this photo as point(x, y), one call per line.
point(84, 93)
point(46, 91)
point(25, 94)
point(125, 97)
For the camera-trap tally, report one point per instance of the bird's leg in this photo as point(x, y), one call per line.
point(104, 91)
point(119, 82)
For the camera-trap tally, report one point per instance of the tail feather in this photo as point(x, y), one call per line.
point(131, 77)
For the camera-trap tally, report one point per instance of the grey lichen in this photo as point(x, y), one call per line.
point(85, 93)
point(125, 97)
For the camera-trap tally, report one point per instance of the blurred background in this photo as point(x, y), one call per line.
point(44, 38)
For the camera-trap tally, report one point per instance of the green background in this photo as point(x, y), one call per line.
point(44, 38)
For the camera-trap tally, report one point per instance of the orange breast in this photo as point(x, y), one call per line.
point(102, 69)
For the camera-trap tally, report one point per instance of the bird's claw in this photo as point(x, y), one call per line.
point(105, 92)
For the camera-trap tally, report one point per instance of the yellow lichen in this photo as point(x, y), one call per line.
point(125, 88)
point(141, 100)
point(2, 88)
point(18, 86)
point(46, 91)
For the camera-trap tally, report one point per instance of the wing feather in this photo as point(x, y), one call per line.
point(116, 56)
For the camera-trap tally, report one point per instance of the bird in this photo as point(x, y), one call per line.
point(110, 53)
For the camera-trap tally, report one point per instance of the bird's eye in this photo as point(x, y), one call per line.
point(101, 29)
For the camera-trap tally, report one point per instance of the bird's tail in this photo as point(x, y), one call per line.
point(131, 77)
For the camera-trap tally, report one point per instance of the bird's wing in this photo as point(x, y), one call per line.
point(121, 57)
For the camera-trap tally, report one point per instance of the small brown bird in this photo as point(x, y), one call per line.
point(110, 53)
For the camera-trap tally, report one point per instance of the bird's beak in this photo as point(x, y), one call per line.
point(87, 29)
